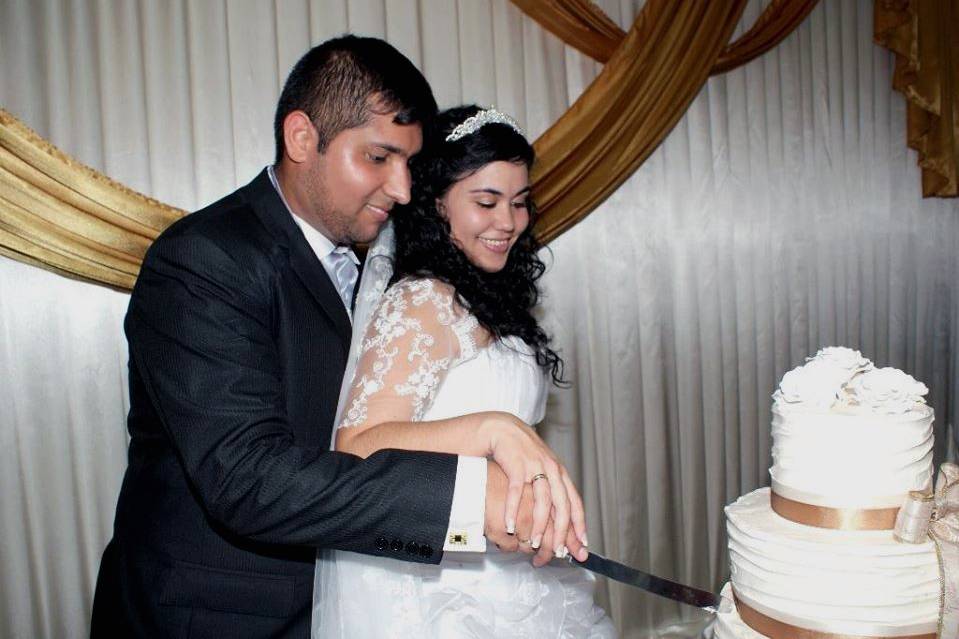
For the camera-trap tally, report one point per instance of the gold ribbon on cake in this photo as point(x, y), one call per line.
point(935, 515)
point(836, 518)
point(776, 629)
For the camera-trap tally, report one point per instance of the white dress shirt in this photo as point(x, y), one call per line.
point(468, 511)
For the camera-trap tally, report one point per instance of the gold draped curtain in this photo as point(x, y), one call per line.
point(59, 214)
point(654, 72)
point(64, 216)
point(583, 26)
point(924, 35)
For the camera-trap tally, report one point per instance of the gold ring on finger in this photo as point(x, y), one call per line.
point(537, 476)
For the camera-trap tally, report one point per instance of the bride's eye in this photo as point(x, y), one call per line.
point(486, 205)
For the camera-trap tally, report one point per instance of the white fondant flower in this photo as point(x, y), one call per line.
point(815, 385)
point(843, 357)
point(886, 390)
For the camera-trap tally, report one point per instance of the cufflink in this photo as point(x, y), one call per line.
point(458, 539)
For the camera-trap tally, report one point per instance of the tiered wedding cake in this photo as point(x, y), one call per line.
point(816, 554)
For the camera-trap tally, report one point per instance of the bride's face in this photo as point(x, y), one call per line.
point(487, 211)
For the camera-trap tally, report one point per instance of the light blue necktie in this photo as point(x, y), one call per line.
point(340, 265)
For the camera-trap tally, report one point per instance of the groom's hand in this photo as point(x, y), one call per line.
point(496, 488)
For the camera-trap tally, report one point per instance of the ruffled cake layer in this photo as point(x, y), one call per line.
point(855, 582)
point(847, 460)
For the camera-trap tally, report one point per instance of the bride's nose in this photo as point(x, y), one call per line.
point(504, 219)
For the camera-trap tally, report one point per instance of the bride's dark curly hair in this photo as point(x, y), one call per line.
point(502, 302)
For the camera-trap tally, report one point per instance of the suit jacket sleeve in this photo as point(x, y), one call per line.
point(200, 333)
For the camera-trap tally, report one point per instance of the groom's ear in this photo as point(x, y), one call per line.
point(300, 138)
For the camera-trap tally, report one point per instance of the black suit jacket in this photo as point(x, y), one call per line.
point(238, 341)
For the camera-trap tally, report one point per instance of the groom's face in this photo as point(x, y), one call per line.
point(352, 185)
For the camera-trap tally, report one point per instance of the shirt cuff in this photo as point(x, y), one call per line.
point(468, 512)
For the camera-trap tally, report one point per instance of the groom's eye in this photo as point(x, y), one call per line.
point(376, 159)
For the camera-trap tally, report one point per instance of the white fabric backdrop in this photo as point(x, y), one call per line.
point(782, 214)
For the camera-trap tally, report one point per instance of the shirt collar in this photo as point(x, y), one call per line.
point(321, 245)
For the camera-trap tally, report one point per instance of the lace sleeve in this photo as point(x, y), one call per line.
point(416, 335)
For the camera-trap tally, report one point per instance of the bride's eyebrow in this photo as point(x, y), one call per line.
point(499, 193)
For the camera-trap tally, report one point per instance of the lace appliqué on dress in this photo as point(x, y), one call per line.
point(417, 316)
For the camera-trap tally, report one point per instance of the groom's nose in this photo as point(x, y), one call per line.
point(398, 184)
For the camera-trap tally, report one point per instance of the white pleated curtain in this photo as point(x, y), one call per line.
point(781, 215)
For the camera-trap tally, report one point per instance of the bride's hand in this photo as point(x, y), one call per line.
point(526, 459)
point(575, 546)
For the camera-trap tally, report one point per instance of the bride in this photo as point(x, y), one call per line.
point(449, 332)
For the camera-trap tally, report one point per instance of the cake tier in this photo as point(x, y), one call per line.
point(728, 624)
point(845, 460)
point(854, 582)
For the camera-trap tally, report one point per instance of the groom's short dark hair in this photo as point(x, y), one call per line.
point(340, 82)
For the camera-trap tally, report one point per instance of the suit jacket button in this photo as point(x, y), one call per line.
point(412, 548)
point(426, 550)
point(382, 543)
point(396, 545)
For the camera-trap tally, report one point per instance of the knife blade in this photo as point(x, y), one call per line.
point(650, 583)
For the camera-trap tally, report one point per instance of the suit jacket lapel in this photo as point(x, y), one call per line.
point(270, 208)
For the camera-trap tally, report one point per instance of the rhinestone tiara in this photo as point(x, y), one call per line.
point(474, 123)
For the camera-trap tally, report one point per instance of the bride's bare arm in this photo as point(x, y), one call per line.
point(467, 435)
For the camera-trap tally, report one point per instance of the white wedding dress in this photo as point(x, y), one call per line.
point(424, 358)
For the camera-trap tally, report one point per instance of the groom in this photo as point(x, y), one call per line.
point(238, 330)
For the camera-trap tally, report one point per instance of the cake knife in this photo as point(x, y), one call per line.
point(645, 581)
